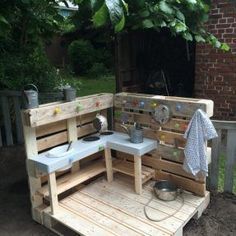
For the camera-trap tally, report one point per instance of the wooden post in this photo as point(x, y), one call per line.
point(110, 118)
point(19, 132)
point(138, 174)
point(34, 181)
point(108, 159)
point(53, 192)
point(230, 160)
point(72, 136)
point(0, 137)
point(7, 120)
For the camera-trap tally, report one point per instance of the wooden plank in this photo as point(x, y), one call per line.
point(72, 136)
point(7, 120)
point(171, 138)
point(19, 130)
point(85, 130)
point(89, 117)
point(62, 137)
point(10, 93)
point(123, 189)
point(79, 224)
point(223, 124)
point(215, 157)
point(70, 180)
point(138, 174)
point(116, 214)
point(52, 113)
point(132, 208)
point(108, 160)
point(184, 183)
point(170, 153)
point(0, 137)
point(174, 168)
point(230, 160)
point(34, 182)
point(53, 193)
point(145, 118)
point(98, 218)
point(52, 141)
point(184, 107)
point(127, 168)
point(51, 128)
point(147, 132)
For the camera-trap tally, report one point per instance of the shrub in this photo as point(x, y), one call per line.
point(81, 53)
point(24, 67)
point(97, 70)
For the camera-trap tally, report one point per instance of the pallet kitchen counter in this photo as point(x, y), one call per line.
point(81, 149)
point(109, 205)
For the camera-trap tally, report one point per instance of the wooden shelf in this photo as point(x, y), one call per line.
point(70, 180)
point(127, 168)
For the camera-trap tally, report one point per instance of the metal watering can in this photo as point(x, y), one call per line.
point(30, 97)
point(135, 133)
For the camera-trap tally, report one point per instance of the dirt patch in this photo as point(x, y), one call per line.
point(218, 219)
point(15, 217)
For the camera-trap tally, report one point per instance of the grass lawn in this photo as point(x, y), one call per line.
point(100, 85)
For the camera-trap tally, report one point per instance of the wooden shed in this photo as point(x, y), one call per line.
point(146, 60)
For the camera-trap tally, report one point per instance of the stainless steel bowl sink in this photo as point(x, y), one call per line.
point(165, 190)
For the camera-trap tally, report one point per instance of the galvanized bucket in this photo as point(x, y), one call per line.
point(30, 97)
point(69, 94)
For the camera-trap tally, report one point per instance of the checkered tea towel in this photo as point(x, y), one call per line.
point(199, 130)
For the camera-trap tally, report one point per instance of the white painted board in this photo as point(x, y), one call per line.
point(81, 149)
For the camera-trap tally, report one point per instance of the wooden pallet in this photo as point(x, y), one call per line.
point(127, 168)
point(167, 159)
point(103, 208)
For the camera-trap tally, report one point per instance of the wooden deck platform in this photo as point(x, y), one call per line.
point(103, 208)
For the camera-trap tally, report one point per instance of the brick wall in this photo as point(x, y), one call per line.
point(215, 71)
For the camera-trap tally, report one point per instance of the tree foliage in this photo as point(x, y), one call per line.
point(182, 17)
point(24, 27)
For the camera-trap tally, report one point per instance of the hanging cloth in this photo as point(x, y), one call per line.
point(200, 129)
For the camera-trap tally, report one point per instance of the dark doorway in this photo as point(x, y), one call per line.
point(155, 62)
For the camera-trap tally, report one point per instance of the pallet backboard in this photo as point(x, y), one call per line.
point(167, 160)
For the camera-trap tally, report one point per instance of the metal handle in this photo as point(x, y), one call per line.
point(125, 128)
point(34, 86)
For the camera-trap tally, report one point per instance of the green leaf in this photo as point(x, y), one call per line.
point(148, 23)
point(101, 16)
point(225, 47)
point(3, 20)
point(144, 13)
point(115, 9)
point(120, 25)
point(165, 7)
point(96, 4)
point(125, 5)
point(217, 44)
point(199, 38)
point(192, 1)
point(180, 27)
point(188, 36)
point(180, 15)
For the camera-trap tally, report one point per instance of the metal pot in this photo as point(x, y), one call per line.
point(135, 133)
point(100, 123)
point(165, 190)
point(69, 94)
point(30, 96)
